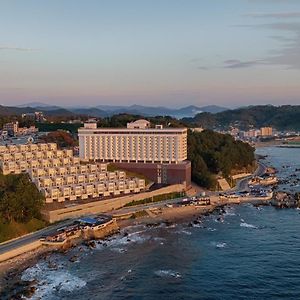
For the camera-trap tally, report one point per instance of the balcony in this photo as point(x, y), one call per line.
point(42, 147)
point(69, 180)
point(71, 170)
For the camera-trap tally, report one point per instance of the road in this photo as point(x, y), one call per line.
point(133, 209)
point(32, 237)
point(242, 185)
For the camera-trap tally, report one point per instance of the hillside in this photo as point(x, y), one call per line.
point(286, 117)
point(213, 154)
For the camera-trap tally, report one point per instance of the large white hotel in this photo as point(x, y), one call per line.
point(136, 143)
point(159, 153)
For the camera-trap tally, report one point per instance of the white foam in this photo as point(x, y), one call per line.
point(118, 242)
point(184, 232)
point(167, 273)
point(219, 244)
point(229, 211)
point(119, 250)
point(244, 224)
point(51, 280)
point(197, 225)
point(211, 229)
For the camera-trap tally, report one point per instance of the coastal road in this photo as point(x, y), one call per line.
point(32, 237)
point(242, 185)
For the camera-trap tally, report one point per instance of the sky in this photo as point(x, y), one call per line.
point(160, 52)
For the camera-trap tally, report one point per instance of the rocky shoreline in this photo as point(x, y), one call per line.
point(13, 287)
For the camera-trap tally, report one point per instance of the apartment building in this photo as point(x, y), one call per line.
point(157, 152)
point(60, 176)
point(12, 127)
point(266, 131)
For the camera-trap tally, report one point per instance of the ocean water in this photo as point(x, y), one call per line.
point(287, 162)
point(249, 253)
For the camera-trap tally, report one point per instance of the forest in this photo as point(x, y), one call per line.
point(213, 153)
point(20, 205)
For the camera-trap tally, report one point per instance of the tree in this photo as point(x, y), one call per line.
point(213, 154)
point(62, 138)
point(20, 200)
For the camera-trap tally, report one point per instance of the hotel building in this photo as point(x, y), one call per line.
point(60, 176)
point(158, 153)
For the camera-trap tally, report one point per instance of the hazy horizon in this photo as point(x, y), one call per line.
point(164, 53)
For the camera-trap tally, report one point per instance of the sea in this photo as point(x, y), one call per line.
point(241, 252)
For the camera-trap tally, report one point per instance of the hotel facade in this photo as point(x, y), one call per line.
point(158, 153)
point(136, 143)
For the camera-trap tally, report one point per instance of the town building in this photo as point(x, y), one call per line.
point(37, 116)
point(266, 131)
point(11, 127)
point(157, 152)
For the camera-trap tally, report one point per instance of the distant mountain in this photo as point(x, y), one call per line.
point(286, 117)
point(11, 110)
point(110, 107)
point(39, 106)
point(92, 112)
point(150, 111)
point(101, 111)
point(34, 105)
point(213, 109)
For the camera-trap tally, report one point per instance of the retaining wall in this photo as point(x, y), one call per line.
point(102, 206)
point(20, 250)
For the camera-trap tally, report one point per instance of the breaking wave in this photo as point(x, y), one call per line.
point(167, 273)
point(244, 224)
point(51, 280)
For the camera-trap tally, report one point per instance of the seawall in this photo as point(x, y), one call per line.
point(20, 250)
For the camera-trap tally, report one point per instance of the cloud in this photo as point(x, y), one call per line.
point(281, 15)
point(287, 54)
point(13, 48)
point(238, 64)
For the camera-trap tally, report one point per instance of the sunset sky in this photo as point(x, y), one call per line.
point(160, 52)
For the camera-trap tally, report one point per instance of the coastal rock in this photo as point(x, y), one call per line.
point(73, 258)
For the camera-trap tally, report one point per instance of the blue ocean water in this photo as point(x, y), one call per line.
point(249, 253)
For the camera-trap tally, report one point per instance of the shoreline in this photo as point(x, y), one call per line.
point(11, 270)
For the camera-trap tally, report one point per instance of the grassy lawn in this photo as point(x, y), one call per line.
point(14, 229)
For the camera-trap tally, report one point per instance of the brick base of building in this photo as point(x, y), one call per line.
point(179, 173)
